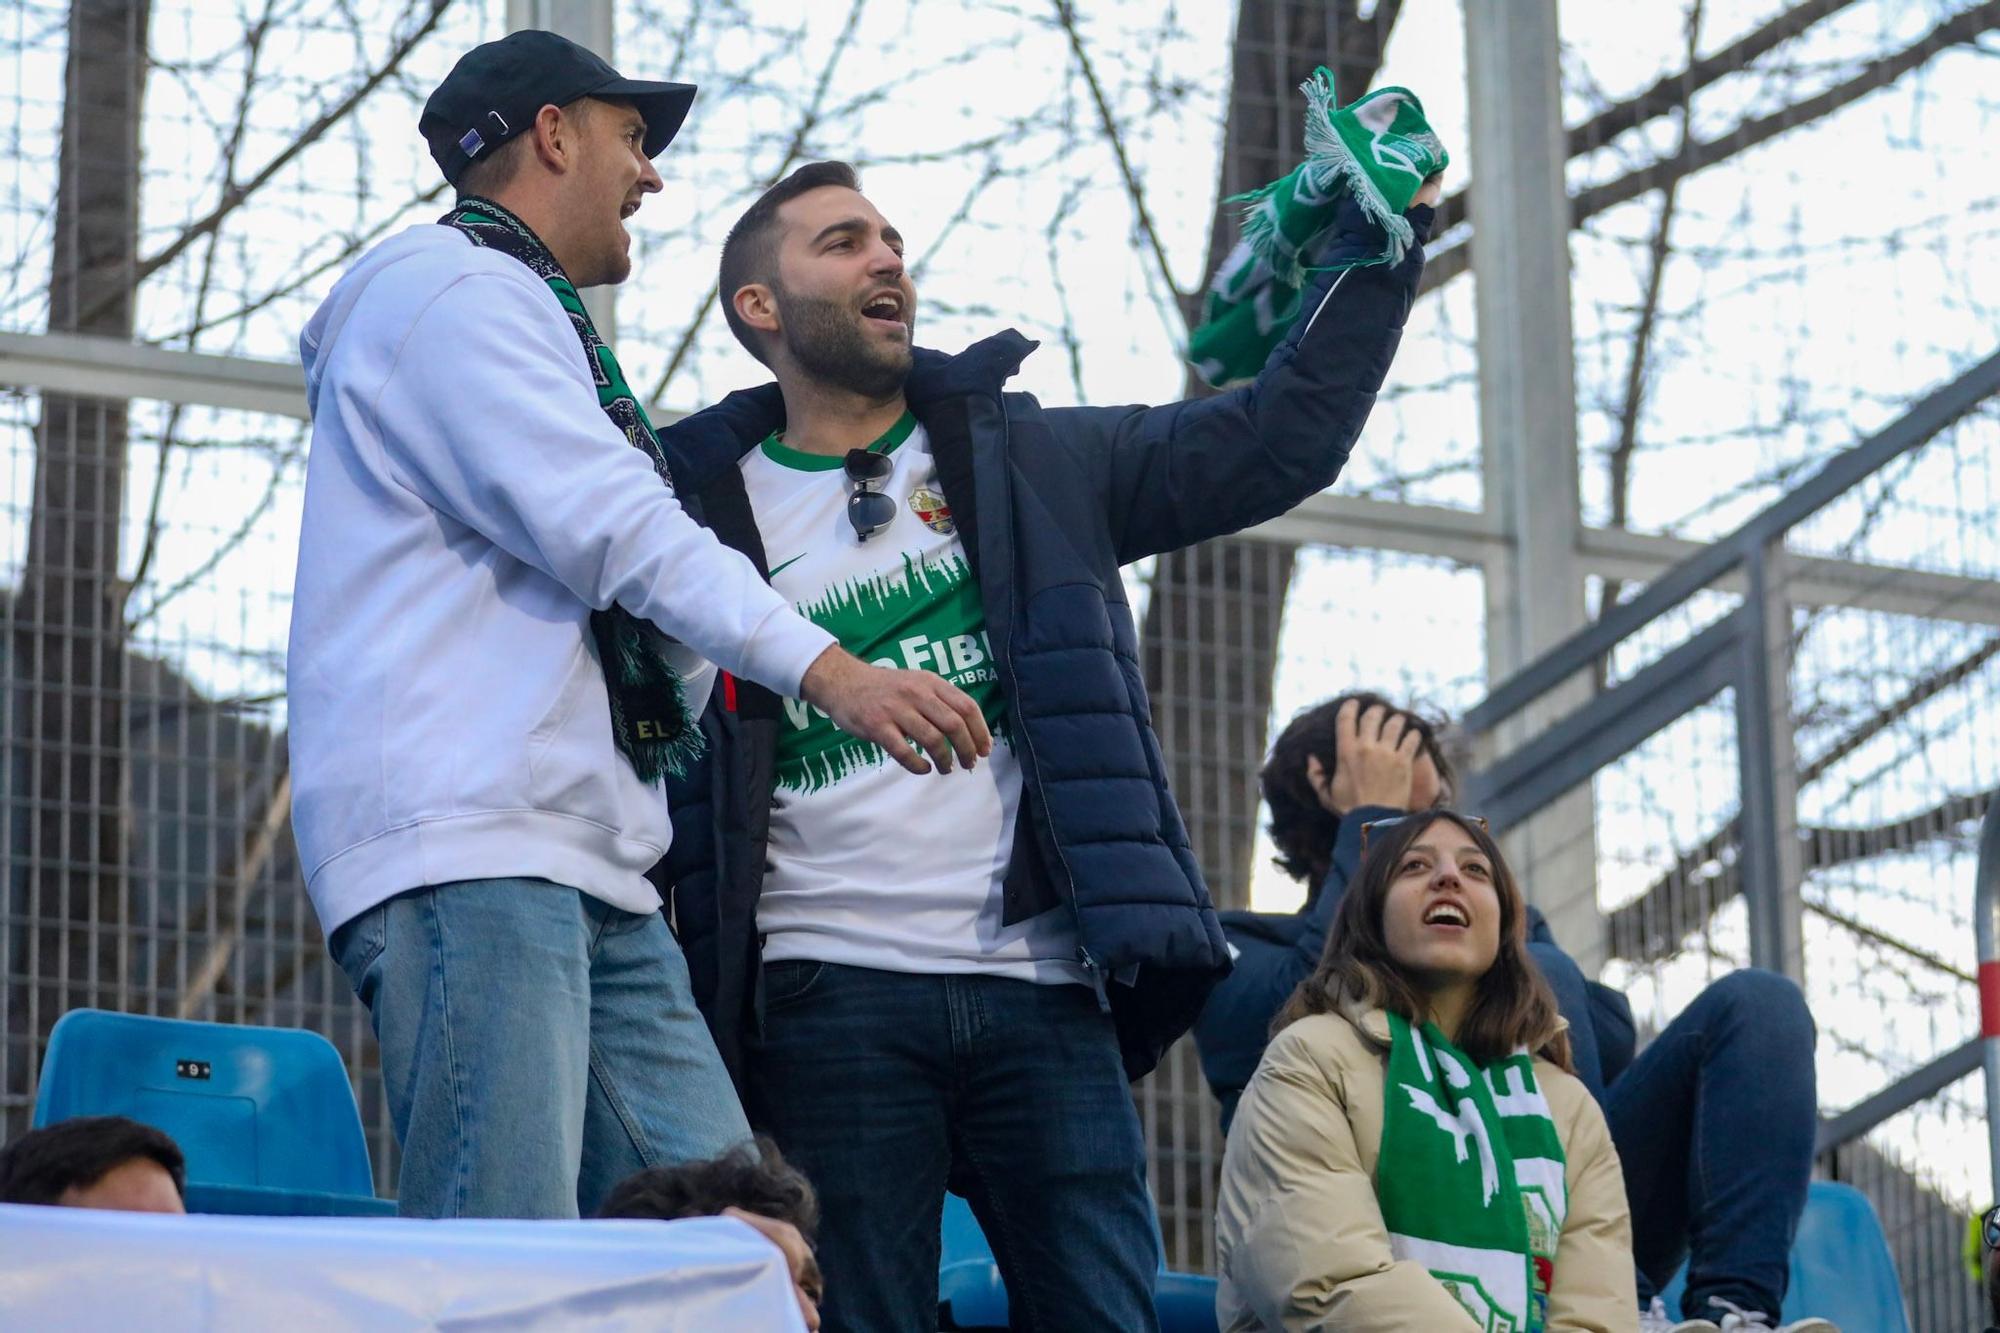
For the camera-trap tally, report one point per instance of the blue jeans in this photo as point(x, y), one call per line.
point(1714, 1124)
point(537, 1044)
point(884, 1087)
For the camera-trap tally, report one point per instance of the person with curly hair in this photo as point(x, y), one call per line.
point(752, 1183)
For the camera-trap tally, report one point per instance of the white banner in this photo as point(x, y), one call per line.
point(79, 1269)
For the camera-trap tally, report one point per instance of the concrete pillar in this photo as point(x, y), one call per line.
point(1527, 419)
point(590, 24)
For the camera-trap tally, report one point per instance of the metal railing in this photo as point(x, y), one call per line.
point(1747, 651)
point(1740, 652)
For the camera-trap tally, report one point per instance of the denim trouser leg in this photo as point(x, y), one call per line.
point(1054, 1159)
point(883, 1086)
point(1565, 978)
point(658, 1092)
point(1714, 1125)
point(518, 1021)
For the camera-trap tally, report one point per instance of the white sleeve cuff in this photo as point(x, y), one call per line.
point(777, 652)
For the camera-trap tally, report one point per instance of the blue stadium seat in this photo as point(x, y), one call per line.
point(1841, 1269)
point(971, 1294)
point(265, 1115)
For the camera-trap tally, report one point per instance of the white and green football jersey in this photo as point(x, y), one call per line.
point(869, 864)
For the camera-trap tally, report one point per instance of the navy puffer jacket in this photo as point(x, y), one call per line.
point(1051, 502)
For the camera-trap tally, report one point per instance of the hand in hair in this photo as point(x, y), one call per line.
point(1377, 761)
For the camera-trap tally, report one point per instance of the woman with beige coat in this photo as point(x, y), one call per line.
point(1413, 1154)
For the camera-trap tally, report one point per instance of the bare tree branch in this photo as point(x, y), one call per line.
point(281, 466)
point(1689, 892)
point(793, 151)
point(1115, 139)
point(1455, 257)
point(253, 48)
point(1638, 362)
point(234, 195)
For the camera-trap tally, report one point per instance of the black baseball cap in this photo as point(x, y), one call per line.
point(495, 90)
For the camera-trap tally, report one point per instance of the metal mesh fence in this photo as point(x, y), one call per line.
point(1924, 1227)
point(147, 839)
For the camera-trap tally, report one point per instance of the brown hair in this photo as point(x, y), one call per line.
point(1513, 1006)
point(751, 252)
point(1302, 828)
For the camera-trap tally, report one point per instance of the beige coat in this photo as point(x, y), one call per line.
point(1300, 1238)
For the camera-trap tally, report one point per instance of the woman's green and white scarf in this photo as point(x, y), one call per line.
point(1470, 1178)
point(649, 711)
point(1379, 149)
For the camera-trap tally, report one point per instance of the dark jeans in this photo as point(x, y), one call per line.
point(1566, 979)
point(1714, 1124)
point(884, 1086)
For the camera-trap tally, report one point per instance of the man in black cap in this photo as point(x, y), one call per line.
point(501, 636)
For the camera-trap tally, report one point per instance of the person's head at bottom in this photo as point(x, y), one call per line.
point(752, 1183)
point(99, 1161)
point(1435, 929)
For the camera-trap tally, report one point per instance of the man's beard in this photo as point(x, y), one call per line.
point(825, 340)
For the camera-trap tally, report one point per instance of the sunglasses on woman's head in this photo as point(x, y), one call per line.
point(868, 509)
point(1989, 1227)
point(1386, 824)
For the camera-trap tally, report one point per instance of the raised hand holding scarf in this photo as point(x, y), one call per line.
point(1379, 150)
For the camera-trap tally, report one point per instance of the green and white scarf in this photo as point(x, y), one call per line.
point(1379, 149)
point(649, 711)
point(1470, 1178)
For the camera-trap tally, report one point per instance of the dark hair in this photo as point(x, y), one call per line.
point(751, 252)
point(44, 1164)
point(1513, 1006)
point(1301, 827)
point(752, 1176)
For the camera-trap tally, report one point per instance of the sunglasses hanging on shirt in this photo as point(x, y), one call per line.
point(868, 509)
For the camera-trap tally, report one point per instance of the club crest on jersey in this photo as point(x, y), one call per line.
point(929, 506)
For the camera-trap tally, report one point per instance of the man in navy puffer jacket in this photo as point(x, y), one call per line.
point(922, 988)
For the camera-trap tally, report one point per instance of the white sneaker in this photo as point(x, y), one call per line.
point(1735, 1319)
point(1655, 1319)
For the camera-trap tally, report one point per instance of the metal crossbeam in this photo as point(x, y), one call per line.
point(108, 368)
point(76, 363)
point(1556, 760)
point(1469, 537)
point(1919, 1085)
point(1930, 415)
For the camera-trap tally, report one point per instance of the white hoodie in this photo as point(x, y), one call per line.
point(467, 505)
